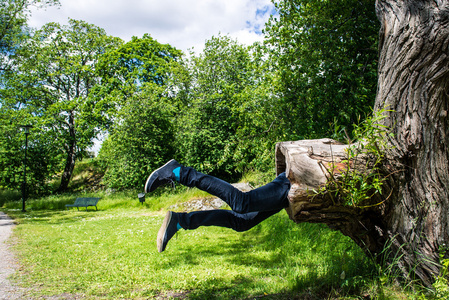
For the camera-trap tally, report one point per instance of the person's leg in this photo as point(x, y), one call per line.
point(249, 208)
point(272, 196)
point(223, 218)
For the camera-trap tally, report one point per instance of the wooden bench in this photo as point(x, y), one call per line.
point(84, 202)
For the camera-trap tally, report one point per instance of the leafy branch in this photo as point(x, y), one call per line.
point(361, 177)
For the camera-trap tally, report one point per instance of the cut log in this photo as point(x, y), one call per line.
point(303, 162)
point(310, 165)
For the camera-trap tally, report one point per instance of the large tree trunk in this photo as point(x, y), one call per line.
point(413, 212)
point(414, 84)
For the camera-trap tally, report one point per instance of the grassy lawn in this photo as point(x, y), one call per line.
point(111, 254)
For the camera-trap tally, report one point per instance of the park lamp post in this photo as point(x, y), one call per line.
point(26, 130)
point(141, 197)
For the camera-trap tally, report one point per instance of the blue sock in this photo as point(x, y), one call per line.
point(178, 226)
point(176, 172)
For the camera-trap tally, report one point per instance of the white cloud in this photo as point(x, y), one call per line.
point(181, 23)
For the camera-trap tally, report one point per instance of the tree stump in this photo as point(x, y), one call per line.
point(309, 165)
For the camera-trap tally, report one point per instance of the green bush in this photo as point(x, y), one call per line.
point(140, 141)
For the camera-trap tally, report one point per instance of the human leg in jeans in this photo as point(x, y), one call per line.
point(248, 208)
point(223, 218)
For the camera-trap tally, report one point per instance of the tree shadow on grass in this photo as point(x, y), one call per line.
point(315, 260)
point(50, 217)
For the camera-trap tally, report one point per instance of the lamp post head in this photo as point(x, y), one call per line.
point(141, 197)
point(26, 128)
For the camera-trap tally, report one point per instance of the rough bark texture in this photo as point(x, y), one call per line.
point(71, 156)
point(414, 85)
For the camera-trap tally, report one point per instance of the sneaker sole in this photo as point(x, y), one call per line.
point(163, 230)
point(146, 183)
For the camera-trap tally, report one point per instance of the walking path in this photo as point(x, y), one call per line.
point(8, 263)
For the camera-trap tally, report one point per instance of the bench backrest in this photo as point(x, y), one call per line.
point(92, 201)
point(87, 201)
point(80, 201)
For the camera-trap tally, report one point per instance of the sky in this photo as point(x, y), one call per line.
point(184, 24)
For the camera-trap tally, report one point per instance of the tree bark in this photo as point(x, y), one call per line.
point(71, 156)
point(413, 85)
point(310, 165)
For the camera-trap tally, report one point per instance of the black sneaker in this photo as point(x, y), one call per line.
point(168, 229)
point(162, 176)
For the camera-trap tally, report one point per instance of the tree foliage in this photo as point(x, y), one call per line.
point(142, 135)
point(224, 113)
point(141, 139)
point(13, 16)
point(126, 69)
point(44, 156)
point(326, 56)
point(50, 84)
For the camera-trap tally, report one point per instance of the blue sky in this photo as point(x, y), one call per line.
point(184, 24)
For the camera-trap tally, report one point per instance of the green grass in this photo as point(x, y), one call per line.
point(111, 254)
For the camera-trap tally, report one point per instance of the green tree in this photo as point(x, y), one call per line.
point(126, 69)
point(224, 115)
point(140, 140)
point(13, 16)
point(141, 137)
point(326, 56)
point(138, 61)
point(44, 155)
point(53, 75)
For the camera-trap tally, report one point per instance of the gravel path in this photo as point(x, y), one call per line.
point(8, 263)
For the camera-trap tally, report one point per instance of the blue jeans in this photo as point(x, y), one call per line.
point(248, 208)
